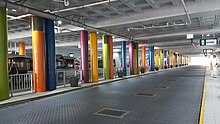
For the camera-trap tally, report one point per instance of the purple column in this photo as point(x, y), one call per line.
point(84, 56)
point(131, 57)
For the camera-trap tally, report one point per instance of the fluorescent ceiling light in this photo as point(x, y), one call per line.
point(14, 10)
point(59, 22)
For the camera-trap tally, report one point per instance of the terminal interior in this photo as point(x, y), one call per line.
point(109, 61)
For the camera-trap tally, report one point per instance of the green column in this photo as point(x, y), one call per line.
point(105, 54)
point(4, 87)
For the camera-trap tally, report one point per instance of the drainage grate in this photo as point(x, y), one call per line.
point(161, 87)
point(116, 113)
point(146, 94)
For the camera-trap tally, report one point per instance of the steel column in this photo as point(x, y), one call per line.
point(84, 56)
point(4, 86)
point(94, 57)
point(123, 57)
point(38, 54)
point(51, 81)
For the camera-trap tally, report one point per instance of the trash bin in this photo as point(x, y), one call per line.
point(74, 81)
point(120, 73)
point(165, 67)
point(142, 70)
point(156, 68)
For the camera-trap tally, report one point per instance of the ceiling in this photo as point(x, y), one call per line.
point(161, 23)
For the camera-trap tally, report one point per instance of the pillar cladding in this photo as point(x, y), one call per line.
point(157, 59)
point(151, 58)
point(105, 54)
point(4, 86)
point(123, 57)
point(168, 58)
point(165, 59)
point(50, 55)
point(38, 54)
point(94, 57)
point(143, 62)
point(111, 65)
point(161, 59)
point(171, 58)
point(181, 58)
point(22, 50)
point(131, 57)
point(84, 56)
point(136, 59)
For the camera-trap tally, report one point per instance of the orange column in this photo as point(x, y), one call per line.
point(38, 54)
point(111, 57)
point(144, 58)
point(22, 50)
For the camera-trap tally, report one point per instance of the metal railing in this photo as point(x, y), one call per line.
point(21, 83)
point(63, 77)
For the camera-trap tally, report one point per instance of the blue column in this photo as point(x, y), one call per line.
point(123, 57)
point(50, 55)
point(151, 58)
point(181, 60)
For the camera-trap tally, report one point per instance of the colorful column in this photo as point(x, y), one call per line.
point(4, 85)
point(178, 59)
point(175, 60)
point(165, 59)
point(136, 64)
point(157, 59)
point(143, 62)
point(123, 57)
point(171, 59)
point(22, 50)
point(111, 65)
point(51, 82)
point(94, 57)
point(181, 60)
point(151, 58)
point(38, 54)
point(131, 57)
point(161, 59)
point(168, 58)
point(105, 52)
point(84, 56)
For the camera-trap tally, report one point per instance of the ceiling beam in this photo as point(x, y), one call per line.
point(152, 4)
point(131, 6)
point(159, 14)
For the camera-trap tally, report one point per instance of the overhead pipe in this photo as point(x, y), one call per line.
point(84, 6)
point(54, 17)
point(186, 11)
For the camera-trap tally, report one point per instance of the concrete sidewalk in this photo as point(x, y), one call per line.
point(212, 100)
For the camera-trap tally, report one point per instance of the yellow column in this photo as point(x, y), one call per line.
point(22, 50)
point(157, 59)
point(94, 57)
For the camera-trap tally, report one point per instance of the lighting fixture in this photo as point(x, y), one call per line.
point(59, 22)
point(14, 10)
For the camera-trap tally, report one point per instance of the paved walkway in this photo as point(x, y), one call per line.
point(168, 97)
point(212, 100)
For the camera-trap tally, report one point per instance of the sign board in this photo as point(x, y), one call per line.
point(211, 42)
point(202, 42)
point(189, 36)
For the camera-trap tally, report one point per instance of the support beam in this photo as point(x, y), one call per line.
point(144, 58)
point(51, 81)
point(4, 85)
point(152, 4)
point(94, 56)
point(131, 57)
point(84, 56)
point(123, 57)
point(38, 54)
point(151, 58)
point(22, 50)
point(105, 54)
